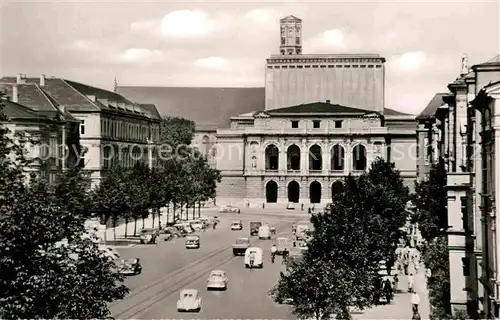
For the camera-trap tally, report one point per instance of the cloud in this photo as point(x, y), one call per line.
point(183, 24)
point(409, 61)
point(333, 41)
point(211, 62)
point(141, 54)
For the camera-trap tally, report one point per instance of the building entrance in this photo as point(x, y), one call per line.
point(293, 192)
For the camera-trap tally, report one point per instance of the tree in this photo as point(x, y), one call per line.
point(175, 131)
point(47, 269)
point(430, 200)
point(389, 197)
point(339, 257)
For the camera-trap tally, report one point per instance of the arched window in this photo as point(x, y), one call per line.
point(272, 157)
point(315, 158)
point(359, 157)
point(337, 160)
point(337, 188)
point(293, 157)
point(293, 191)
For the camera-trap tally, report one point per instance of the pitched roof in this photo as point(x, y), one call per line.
point(151, 108)
point(391, 112)
point(29, 94)
point(209, 108)
point(75, 96)
point(291, 17)
point(318, 107)
point(17, 111)
point(493, 61)
point(433, 105)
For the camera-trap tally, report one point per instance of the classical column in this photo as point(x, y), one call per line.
point(325, 157)
point(282, 160)
point(496, 179)
point(347, 158)
point(261, 166)
point(304, 157)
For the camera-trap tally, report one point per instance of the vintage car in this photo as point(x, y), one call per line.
point(149, 235)
point(257, 255)
point(172, 233)
point(189, 301)
point(197, 225)
point(282, 244)
point(129, 266)
point(236, 225)
point(217, 280)
point(193, 242)
point(290, 206)
point(184, 227)
point(229, 208)
point(241, 245)
point(254, 228)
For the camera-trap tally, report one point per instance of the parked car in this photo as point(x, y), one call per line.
point(241, 245)
point(189, 300)
point(290, 206)
point(193, 242)
point(217, 280)
point(129, 266)
point(149, 235)
point(236, 225)
point(229, 208)
point(184, 227)
point(197, 225)
point(172, 233)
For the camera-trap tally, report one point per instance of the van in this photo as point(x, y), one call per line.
point(264, 232)
point(258, 254)
point(301, 232)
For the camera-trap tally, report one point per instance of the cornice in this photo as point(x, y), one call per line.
point(299, 59)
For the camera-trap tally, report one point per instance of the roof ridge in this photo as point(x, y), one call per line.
point(81, 94)
point(47, 97)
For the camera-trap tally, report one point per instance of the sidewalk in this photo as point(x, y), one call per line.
point(400, 307)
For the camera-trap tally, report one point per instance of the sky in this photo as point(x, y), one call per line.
point(225, 43)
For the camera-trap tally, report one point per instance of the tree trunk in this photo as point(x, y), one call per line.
point(168, 211)
point(199, 209)
point(105, 229)
point(143, 222)
point(114, 228)
point(126, 226)
point(182, 205)
point(154, 215)
point(194, 210)
point(135, 226)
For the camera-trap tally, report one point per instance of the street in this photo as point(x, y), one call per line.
point(170, 267)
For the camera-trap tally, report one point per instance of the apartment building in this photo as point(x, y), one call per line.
point(459, 126)
point(112, 128)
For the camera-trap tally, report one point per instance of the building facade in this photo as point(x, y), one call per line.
point(459, 127)
point(51, 134)
point(324, 118)
point(112, 129)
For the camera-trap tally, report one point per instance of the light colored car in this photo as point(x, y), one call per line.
point(282, 244)
point(109, 252)
point(149, 235)
point(229, 208)
point(257, 254)
point(197, 225)
point(217, 280)
point(264, 232)
point(189, 300)
point(193, 242)
point(236, 225)
point(290, 206)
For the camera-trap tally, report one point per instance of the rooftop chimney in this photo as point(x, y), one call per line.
point(19, 78)
point(15, 94)
point(42, 80)
point(327, 101)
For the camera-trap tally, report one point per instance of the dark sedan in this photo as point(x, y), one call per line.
point(129, 266)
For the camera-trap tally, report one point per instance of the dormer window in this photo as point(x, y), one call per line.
point(295, 124)
point(316, 124)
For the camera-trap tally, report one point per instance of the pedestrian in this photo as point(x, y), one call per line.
point(302, 207)
point(410, 282)
point(388, 290)
point(416, 316)
point(428, 274)
point(396, 282)
point(415, 301)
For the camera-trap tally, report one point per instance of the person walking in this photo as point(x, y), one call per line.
point(410, 282)
point(396, 282)
point(388, 290)
point(415, 301)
